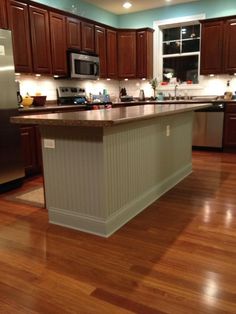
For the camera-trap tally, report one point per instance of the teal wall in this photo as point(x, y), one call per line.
point(85, 9)
point(212, 8)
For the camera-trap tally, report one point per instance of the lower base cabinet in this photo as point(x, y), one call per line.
point(230, 126)
point(31, 149)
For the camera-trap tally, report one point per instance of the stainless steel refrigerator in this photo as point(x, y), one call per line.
point(11, 163)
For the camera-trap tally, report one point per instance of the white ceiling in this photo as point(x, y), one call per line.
point(115, 6)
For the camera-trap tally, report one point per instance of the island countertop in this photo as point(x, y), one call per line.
point(107, 117)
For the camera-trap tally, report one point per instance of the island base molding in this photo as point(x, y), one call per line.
point(105, 228)
point(98, 178)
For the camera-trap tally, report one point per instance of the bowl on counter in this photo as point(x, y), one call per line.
point(39, 101)
point(27, 101)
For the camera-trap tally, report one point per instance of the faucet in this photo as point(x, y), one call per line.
point(176, 86)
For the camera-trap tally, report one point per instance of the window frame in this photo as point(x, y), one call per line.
point(158, 41)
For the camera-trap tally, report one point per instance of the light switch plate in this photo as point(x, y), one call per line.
point(49, 143)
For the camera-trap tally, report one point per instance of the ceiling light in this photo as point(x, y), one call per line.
point(127, 5)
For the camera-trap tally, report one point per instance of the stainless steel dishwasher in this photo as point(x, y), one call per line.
point(208, 127)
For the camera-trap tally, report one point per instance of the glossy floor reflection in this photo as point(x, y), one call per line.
point(178, 256)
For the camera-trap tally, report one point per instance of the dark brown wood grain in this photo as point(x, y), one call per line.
point(177, 256)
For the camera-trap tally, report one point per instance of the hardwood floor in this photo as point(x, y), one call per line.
point(178, 256)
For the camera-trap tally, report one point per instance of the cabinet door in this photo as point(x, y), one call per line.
point(3, 14)
point(87, 33)
point(127, 54)
point(111, 54)
point(38, 145)
point(144, 61)
point(230, 130)
point(100, 49)
point(212, 48)
point(18, 18)
point(39, 23)
point(229, 54)
point(73, 33)
point(58, 43)
point(29, 149)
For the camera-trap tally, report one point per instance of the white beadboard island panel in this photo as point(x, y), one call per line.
point(98, 178)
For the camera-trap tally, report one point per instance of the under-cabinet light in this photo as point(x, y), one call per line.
point(55, 76)
point(144, 79)
point(108, 79)
point(126, 79)
point(37, 75)
point(211, 75)
point(17, 74)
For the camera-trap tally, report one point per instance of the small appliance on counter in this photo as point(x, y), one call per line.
point(141, 95)
point(126, 98)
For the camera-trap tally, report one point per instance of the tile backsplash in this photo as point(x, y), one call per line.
point(47, 86)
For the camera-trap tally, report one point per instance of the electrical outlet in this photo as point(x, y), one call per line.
point(167, 130)
point(49, 143)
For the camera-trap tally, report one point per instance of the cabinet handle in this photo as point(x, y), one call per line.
point(231, 118)
point(232, 24)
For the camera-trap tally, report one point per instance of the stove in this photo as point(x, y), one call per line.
point(77, 96)
point(71, 96)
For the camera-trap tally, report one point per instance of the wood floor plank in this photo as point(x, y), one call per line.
point(176, 257)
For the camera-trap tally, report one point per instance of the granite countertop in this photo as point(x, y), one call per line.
point(52, 107)
point(107, 117)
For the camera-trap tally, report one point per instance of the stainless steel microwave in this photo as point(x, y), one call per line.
point(84, 66)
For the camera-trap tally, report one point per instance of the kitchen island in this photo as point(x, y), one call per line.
point(103, 167)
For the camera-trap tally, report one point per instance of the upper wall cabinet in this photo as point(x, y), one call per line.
point(3, 14)
point(40, 36)
point(73, 33)
point(18, 19)
point(127, 54)
point(212, 47)
point(101, 49)
point(229, 51)
point(218, 47)
point(111, 53)
point(87, 33)
point(144, 64)
point(58, 43)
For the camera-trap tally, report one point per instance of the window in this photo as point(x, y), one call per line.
point(180, 53)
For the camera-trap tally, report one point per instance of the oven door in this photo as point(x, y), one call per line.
point(84, 66)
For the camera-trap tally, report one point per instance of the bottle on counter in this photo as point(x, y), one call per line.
point(228, 93)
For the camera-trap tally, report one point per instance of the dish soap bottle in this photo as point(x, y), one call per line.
point(228, 94)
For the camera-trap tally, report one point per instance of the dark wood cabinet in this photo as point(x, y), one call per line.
point(18, 18)
point(144, 58)
point(230, 126)
point(73, 28)
point(111, 54)
point(58, 43)
point(40, 37)
point(100, 49)
point(87, 34)
point(212, 47)
point(28, 145)
point(229, 51)
point(127, 54)
point(39, 157)
point(3, 14)
point(218, 46)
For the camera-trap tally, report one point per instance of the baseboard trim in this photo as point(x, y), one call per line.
point(105, 228)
